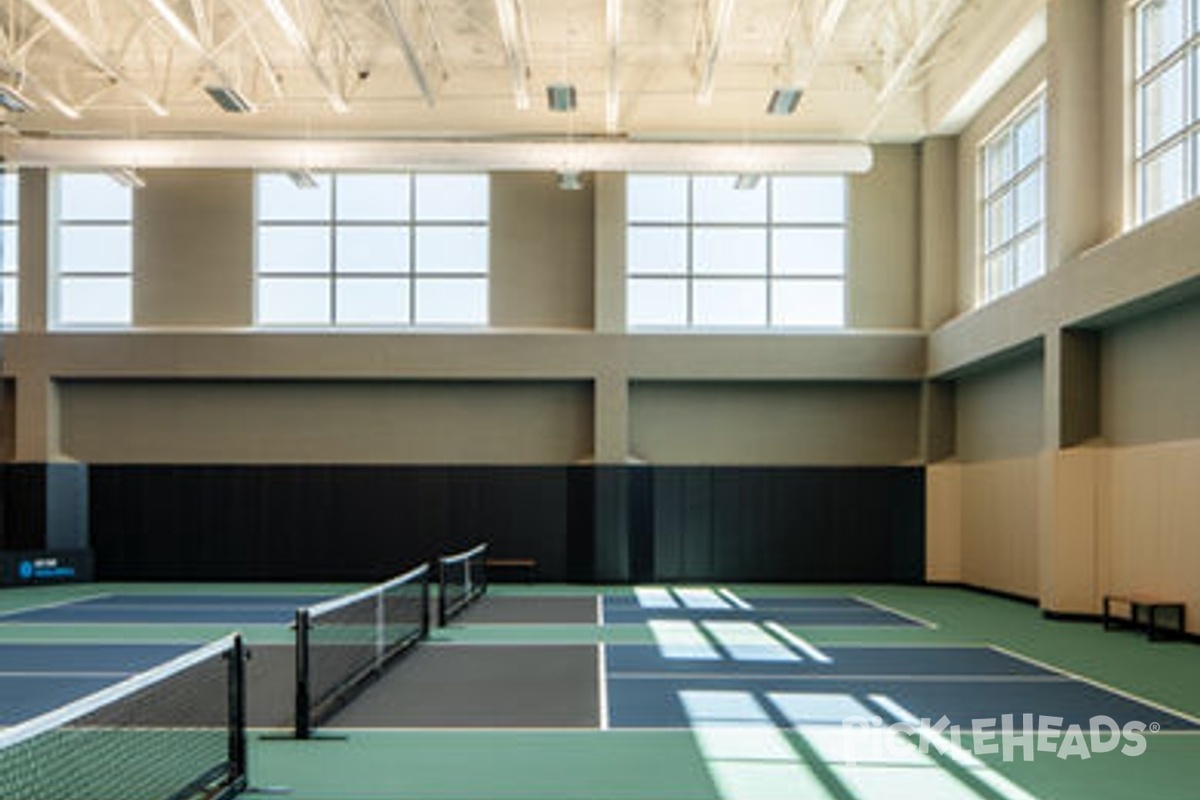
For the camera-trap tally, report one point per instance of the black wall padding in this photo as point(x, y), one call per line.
point(43, 506)
point(581, 523)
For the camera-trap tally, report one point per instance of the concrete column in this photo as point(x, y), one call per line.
point(1069, 476)
point(938, 286)
point(611, 409)
point(1075, 209)
point(37, 418)
point(610, 252)
point(34, 269)
point(938, 421)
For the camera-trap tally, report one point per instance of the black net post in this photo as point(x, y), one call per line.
point(238, 761)
point(443, 580)
point(425, 606)
point(303, 697)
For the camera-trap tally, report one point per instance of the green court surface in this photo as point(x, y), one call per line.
point(591, 763)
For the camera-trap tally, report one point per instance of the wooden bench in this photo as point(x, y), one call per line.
point(526, 567)
point(1145, 607)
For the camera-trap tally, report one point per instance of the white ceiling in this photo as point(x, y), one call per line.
point(669, 69)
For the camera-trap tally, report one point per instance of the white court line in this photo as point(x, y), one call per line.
point(602, 679)
point(733, 599)
point(56, 604)
point(64, 674)
point(911, 617)
point(600, 610)
point(654, 597)
point(1098, 684)
point(800, 644)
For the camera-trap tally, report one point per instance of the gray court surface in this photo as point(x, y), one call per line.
point(478, 686)
point(531, 610)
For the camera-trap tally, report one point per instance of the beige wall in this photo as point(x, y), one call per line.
point(542, 252)
point(1150, 377)
point(1150, 509)
point(999, 411)
point(884, 241)
point(193, 248)
point(943, 523)
point(786, 423)
point(325, 422)
point(1000, 510)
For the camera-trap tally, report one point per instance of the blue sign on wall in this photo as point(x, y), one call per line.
point(17, 569)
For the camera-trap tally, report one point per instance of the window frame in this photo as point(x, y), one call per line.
point(335, 278)
point(1185, 54)
point(10, 267)
point(771, 279)
point(61, 276)
point(1007, 191)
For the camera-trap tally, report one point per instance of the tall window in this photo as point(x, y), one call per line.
point(1167, 52)
point(9, 257)
point(372, 249)
point(1013, 172)
point(701, 252)
point(93, 253)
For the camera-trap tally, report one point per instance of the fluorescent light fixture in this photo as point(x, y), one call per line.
point(303, 178)
point(127, 177)
point(747, 181)
point(570, 180)
point(560, 97)
point(11, 99)
point(784, 100)
point(230, 99)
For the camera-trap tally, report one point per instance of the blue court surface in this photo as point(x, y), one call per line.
point(170, 609)
point(716, 652)
point(36, 678)
point(832, 611)
point(792, 682)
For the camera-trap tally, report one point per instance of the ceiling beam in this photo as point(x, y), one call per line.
point(291, 29)
point(52, 98)
point(804, 57)
point(185, 34)
point(709, 51)
point(516, 47)
point(92, 52)
point(722, 158)
point(932, 27)
point(612, 38)
point(412, 56)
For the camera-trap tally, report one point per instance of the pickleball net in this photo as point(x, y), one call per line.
point(174, 732)
point(462, 579)
point(343, 643)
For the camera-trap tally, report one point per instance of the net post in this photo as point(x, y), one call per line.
point(303, 722)
point(238, 763)
point(425, 605)
point(441, 601)
point(483, 571)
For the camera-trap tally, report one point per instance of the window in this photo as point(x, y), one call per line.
point(1012, 207)
point(9, 256)
point(372, 249)
point(1167, 59)
point(702, 253)
point(93, 255)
